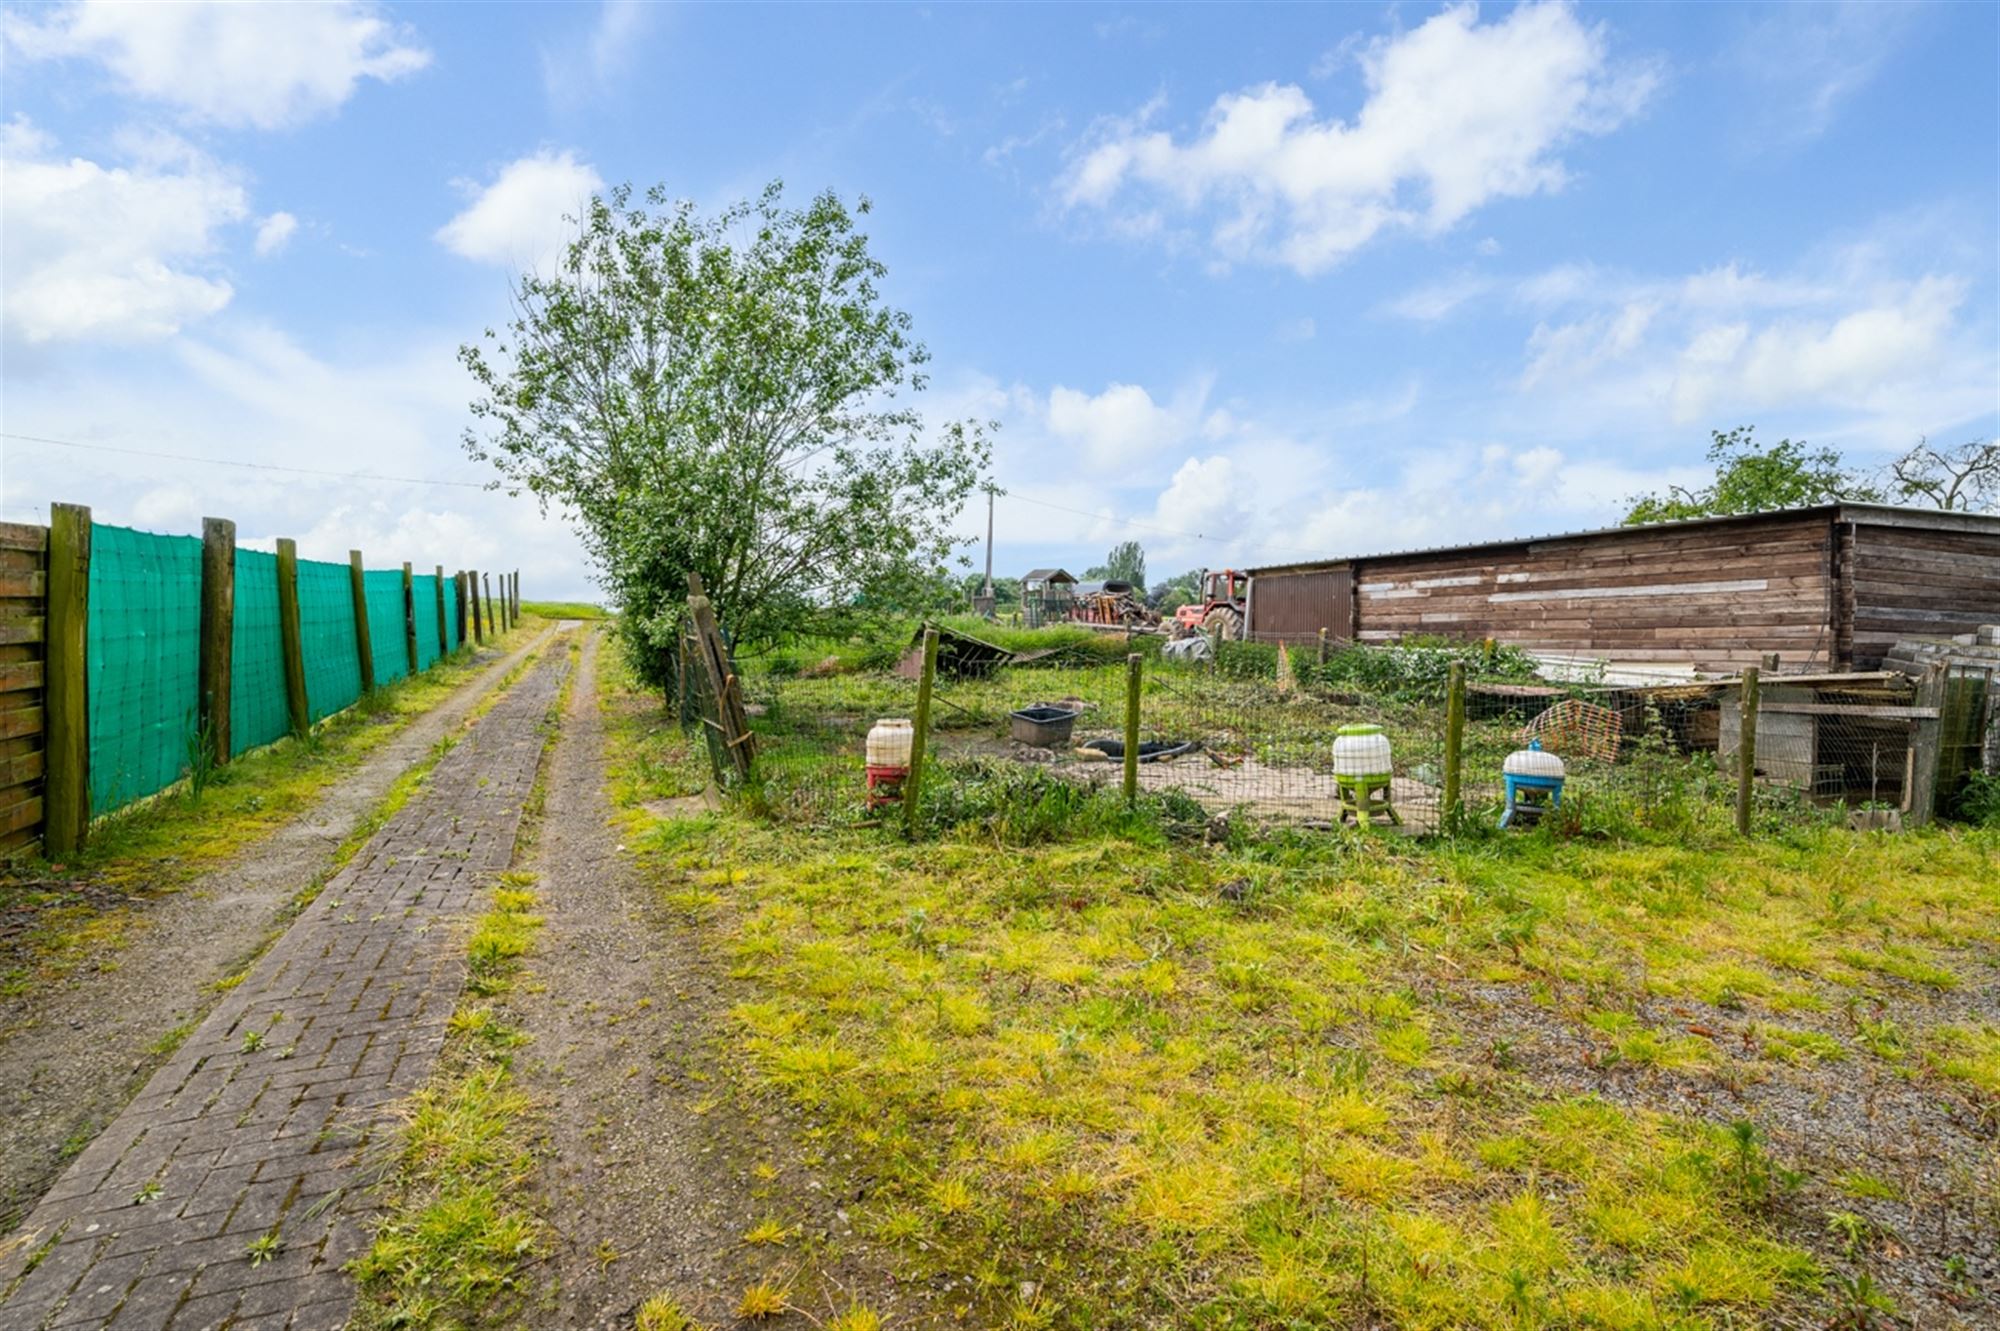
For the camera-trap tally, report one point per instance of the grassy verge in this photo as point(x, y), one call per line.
point(458, 1230)
point(1099, 1073)
point(81, 912)
point(585, 610)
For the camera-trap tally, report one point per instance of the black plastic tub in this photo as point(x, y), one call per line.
point(1043, 727)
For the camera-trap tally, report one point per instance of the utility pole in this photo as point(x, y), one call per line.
point(989, 544)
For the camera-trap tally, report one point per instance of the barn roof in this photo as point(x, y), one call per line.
point(1046, 575)
point(1894, 515)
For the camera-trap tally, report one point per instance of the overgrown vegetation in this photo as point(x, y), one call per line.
point(456, 1230)
point(1097, 1064)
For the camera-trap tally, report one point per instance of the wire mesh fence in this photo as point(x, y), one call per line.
point(144, 654)
point(142, 663)
point(1270, 737)
point(258, 711)
point(326, 635)
point(384, 590)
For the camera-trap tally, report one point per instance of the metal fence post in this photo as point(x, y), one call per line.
point(1134, 666)
point(290, 642)
point(1746, 752)
point(66, 782)
point(1454, 739)
point(913, 783)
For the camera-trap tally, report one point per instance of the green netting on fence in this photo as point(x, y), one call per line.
point(426, 595)
point(257, 710)
point(385, 623)
point(143, 650)
point(326, 635)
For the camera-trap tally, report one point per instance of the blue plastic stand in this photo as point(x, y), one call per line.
point(1541, 792)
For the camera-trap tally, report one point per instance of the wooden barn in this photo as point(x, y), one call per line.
point(1831, 587)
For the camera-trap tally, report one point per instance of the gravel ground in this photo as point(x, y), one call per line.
point(1933, 1142)
point(72, 1054)
point(654, 1165)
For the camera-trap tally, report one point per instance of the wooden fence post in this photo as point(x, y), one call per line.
point(1926, 747)
point(492, 624)
point(733, 720)
point(1134, 668)
point(514, 586)
point(361, 642)
point(66, 635)
point(920, 735)
point(218, 622)
point(458, 599)
point(444, 624)
point(290, 641)
point(1454, 740)
point(409, 617)
point(478, 620)
point(1746, 752)
point(1322, 646)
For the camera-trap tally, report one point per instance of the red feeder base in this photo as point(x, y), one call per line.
point(885, 785)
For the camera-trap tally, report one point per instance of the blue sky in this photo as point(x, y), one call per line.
point(1248, 284)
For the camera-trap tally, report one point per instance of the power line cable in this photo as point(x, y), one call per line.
point(232, 462)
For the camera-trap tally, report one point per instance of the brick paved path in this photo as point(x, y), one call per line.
point(253, 1127)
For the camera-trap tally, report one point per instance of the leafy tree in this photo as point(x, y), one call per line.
point(1964, 477)
point(1175, 592)
point(1125, 563)
point(1750, 478)
point(720, 395)
point(1006, 591)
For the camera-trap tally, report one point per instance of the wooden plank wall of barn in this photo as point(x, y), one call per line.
point(1902, 581)
point(1716, 597)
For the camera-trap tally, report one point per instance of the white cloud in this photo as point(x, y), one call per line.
point(250, 393)
point(1458, 113)
point(1845, 360)
point(587, 67)
point(267, 65)
point(517, 221)
point(274, 233)
point(118, 253)
point(1120, 427)
point(1577, 348)
point(1808, 60)
point(1435, 300)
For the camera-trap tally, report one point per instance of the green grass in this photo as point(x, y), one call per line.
point(585, 610)
point(1065, 1055)
point(457, 1232)
point(163, 843)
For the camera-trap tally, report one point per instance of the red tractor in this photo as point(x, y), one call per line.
point(1221, 605)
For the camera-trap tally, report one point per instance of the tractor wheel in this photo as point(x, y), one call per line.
point(1225, 618)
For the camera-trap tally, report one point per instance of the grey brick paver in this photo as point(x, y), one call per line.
point(351, 1004)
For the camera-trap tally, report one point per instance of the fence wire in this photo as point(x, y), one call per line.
point(384, 589)
point(259, 712)
point(144, 631)
point(326, 637)
point(1250, 733)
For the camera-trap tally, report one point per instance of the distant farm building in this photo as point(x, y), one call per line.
point(1046, 596)
point(1832, 587)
